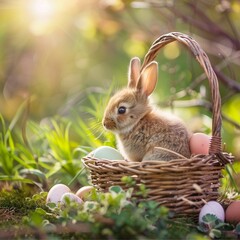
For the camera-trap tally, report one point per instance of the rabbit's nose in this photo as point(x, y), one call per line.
point(109, 123)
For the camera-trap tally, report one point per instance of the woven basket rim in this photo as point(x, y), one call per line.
point(223, 159)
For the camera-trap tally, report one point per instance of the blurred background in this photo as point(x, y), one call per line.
point(56, 52)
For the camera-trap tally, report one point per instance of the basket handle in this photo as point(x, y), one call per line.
point(216, 140)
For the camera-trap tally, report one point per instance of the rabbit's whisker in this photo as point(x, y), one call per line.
point(95, 125)
point(100, 134)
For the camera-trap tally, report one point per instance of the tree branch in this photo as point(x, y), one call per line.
point(208, 26)
point(205, 104)
point(230, 83)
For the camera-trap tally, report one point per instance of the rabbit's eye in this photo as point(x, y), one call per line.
point(121, 110)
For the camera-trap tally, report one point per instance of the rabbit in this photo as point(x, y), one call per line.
point(138, 126)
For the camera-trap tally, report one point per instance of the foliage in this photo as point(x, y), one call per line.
point(213, 226)
point(230, 186)
point(12, 153)
point(88, 122)
point(111, 215)
point(15, 203)
point(55, 154)
point(53, 147)
point(103, 215)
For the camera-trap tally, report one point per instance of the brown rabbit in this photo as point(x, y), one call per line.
point(140, 128)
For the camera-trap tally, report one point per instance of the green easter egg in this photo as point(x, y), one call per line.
point(106, 152)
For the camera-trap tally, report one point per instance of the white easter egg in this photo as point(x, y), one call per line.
point(106, 152)
point(214, 208)
point(56, 192)
point(84, 191)
point(71, 197)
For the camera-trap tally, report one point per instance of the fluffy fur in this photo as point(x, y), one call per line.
point(141, 128)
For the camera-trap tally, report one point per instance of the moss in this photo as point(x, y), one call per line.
point(16, 203)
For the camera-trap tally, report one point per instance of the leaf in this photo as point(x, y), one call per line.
point(237, 230)
point(17, 179)
point(215, 233)
point(209, 218)
point(129, 181)
point(40, 211)
point(17, 115)
point(203, 228)
point(33, 174)
point(51, 205)
point(36, 219)
point(115, 189)
point(77, 175)
point(56, 168)
point(221, 224)
point(195, 236)
point(129, 193)
point(90, 206)
point(230, 171)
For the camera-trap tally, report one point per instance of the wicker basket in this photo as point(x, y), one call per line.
point(183, 185)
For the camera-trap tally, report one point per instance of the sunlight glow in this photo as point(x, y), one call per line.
point(46, 16)
point(42, 9)
point(42, 14)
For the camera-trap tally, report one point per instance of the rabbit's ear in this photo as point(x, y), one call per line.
point(134, 72)
point(148, 78)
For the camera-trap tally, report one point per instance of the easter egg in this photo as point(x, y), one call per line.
point(106, 152)
point(212, 207)
point(233, 212)
point(71, 197)
point(199, 143)
point(56, 192)
point(83, 192)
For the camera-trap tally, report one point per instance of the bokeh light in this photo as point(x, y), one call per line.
point(42, 9)
point(46, 16)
